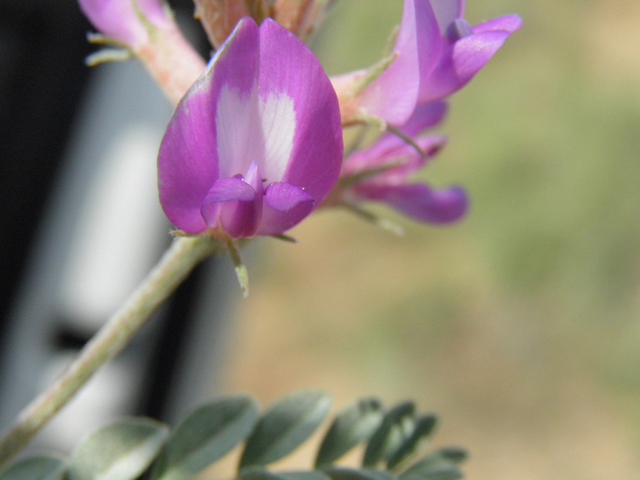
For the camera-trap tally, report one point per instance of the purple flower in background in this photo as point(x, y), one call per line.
point(394, 94)
point(436, 53)
point(256, 143)
point(381, 172)
point(124, 20)
point(464, 49)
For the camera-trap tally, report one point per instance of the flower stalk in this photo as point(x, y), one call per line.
point(183, 255)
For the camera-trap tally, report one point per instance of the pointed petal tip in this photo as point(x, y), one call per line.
point(463, 60)
point(507, 23)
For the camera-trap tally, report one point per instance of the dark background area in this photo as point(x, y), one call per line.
point(42, 77)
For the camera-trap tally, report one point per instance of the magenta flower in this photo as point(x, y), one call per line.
point(381, 172)
point(256, 143)
point(436, 53)
point(124, 20)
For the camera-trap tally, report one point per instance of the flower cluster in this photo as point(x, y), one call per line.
point(255, 144)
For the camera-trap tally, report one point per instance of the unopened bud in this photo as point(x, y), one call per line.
point(128, 22)
point(219, 17)
point(300, 16)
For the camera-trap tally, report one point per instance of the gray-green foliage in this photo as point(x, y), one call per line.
point(125, 449)
point(205, 435)
point(396, 427)
point(119, 451)
point(420, 431)
point(39, 467)
point(288, 423)
point(354, 424)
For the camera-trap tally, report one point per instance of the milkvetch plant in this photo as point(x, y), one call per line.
point(254, 146)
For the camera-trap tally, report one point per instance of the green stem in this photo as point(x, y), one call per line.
point(183, 255)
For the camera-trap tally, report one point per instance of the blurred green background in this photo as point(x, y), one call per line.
point(520, 325)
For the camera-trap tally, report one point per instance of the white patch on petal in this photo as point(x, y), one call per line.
point(278, 119)
point(251, 129)
point(239, 137)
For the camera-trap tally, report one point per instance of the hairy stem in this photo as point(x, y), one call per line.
point(171, 61)
point(184, 254)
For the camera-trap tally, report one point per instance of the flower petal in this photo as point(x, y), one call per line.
point(426, 115)
point(394, 94)
point(460, 62)
point(283, 196)
point(188, 161)
point(228, 189)
point(421, 202)
point(223, 191)
point(119, 20)
point(303, 136)
point(235, 205)
point(285, 206)
point(410, 160)
point(447, 11)
point(389, 147)
point(116, 19)
point(237, 119)
point(508, 23)
point(154, 11)
point(242, 218)
point(394, 152)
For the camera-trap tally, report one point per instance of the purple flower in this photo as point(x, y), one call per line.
point(256, 143)
point(464, 49)
point(436, 53)
point(124, 20)
point(381, 172)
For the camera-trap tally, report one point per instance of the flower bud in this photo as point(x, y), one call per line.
point(300, 16)
point(127, 21)
point(220, 17)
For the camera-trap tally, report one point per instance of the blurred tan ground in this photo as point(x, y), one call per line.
point(520, 325)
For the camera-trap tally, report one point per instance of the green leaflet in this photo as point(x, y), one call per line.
point(392, 433)
point(287, 423)
point(422, 429)
point(119, 451)
point(340, 473)
point(355, 423)
point(124, 450)
point(38, 467)
point(205, 435)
